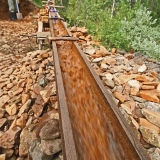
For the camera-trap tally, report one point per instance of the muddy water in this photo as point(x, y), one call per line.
point(93, 134)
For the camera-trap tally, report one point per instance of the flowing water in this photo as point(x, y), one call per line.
point(93, 133)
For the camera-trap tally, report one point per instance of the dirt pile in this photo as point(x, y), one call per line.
point(25, 8)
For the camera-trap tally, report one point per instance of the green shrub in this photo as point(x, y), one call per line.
point(136, 31)
point(141, 34)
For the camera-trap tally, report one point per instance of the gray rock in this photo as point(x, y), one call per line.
point(109, 83)
point(50, 130)
point(108, 80)
point(36, 152)
point(156, 154)
point(43, 82)
point(51, 147)
point(131, 122)
point(153, 117)
point(26, 138)
point(138, 99)
point(152, 106)
point(151, 136)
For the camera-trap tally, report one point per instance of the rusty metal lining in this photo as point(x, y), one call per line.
point(133, 144)
point(69, 150)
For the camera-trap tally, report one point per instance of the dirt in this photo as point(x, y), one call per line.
point(25, 8)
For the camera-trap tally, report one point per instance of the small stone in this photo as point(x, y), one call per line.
point(116, 80)
point(104, 67)
point(50, 130)
point(90, 50)
point(9, 86)
point(138, 99)
point(25, 107)
point(2, 111)
point(134, 91)
point(2, 156)
point(3, 121)
point(142, 68)
point(37, 88)
point(18, 91)
point(152, 106)
point(21, 122)
point(156, 154)
point(8, 139)
point(151, 136)
point(9, 71)
point(110, 61)
point(126, 78)
point(126, 108)
point(6, 46)
point(109, 83)
point(148, 96)
point(51, 147)
point(141, 78)
point(11, 110)
point(134, 83)
point(36, 152)
point(97, 60)
point(151, 83)
point(26, 138)
point(119, 97)
point(25, 97)
point(131, 122)
point(152, 116)
point(45, 95)
point(43, 82)
point(147, 87)
point(113, 50)
point(44, 55)
point(143, 122)
point(37, 109)
point(3, 100)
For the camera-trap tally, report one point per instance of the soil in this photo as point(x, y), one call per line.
point(25, 7)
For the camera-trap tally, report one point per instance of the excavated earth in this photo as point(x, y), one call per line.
point(29, 118)
point(25, 7)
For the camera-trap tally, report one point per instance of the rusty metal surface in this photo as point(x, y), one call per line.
point(69, 151)
point(90, 95)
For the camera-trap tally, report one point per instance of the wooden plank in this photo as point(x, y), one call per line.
point(63, 39)
point(40, 26)
point(43, 34)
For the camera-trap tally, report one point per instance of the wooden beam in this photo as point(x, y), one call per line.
point(63, 39)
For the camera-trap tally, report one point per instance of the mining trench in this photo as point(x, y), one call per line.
point(98, 128)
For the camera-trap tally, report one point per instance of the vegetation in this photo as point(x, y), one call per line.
point(37, 2)
point(127, 24)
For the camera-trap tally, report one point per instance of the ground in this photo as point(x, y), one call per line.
point(25, 8)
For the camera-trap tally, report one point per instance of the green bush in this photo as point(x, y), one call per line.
point(141, 34)
point(130, 27)
point(37, 2)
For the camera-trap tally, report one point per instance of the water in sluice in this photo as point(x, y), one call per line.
point(93, 133)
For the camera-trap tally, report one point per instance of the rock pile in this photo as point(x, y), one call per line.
point(29, 118)
point(134, 82)
point(10, 40)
